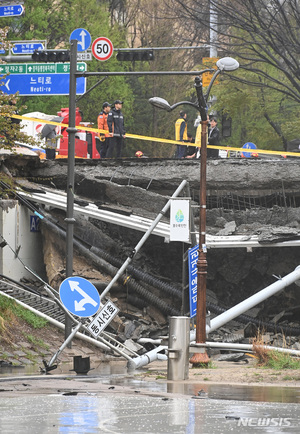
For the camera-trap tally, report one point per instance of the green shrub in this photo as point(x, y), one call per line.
point(9, 308)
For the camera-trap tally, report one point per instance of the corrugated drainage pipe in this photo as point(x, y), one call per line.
point(108, 268)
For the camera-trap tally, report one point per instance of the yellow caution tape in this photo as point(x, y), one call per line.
point(160, 140)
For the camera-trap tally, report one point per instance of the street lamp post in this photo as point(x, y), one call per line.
point(224, 64)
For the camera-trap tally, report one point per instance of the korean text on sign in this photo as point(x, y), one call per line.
point(106, 314)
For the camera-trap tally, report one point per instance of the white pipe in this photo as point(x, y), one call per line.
point(249, 347)
point(149, 357)
point(149, 340)
point(252, 301)
point(226, 317)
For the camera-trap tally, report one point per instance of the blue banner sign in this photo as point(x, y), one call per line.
point(192, 260)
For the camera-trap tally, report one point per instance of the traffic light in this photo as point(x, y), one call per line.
point(132, 55)
point(51, 56)
point(226, 126)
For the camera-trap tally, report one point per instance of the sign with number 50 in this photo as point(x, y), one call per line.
point(102, 48)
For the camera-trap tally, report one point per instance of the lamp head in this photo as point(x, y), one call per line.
point(161, 103)
point(227, 64)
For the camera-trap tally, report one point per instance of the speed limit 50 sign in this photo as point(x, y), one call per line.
point(102, 48)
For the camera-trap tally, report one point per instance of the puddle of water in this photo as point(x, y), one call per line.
point(101, 369)
point(215, 391)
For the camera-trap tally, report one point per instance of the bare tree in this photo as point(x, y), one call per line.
point(263, 34)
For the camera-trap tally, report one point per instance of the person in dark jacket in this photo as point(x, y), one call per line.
point(116, 127)
point(213, 139)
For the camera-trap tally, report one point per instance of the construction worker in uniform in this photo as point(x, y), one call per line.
point(102, 125)
point(181, 134)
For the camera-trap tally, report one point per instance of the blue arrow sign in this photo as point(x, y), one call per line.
point(79, 296)
point(11, 10)
point(83, 37)
point(27, 47)
point(41, 84)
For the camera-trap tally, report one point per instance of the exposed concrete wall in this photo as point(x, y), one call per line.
point(222, 174)
point(20, 231)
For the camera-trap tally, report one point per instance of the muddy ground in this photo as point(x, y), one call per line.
point(46, 341)
point(222, 373)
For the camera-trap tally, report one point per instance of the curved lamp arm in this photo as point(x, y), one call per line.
point(201, 99)
point(172, 107)
point(218, 71)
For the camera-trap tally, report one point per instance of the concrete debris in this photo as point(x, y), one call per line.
point(229, 229)
point(278, 234)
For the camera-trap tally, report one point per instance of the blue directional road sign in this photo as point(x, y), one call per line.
point(83, 37)
point(38, 79)
point(192, 261)
point(41, 84)
point(248, 145)
point(26, 47)
point(79, 296)
point(11, 10)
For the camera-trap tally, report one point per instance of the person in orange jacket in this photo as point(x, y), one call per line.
point(102, 125)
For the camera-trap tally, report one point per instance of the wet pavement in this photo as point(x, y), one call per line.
point(143, 414)
point(108, 400)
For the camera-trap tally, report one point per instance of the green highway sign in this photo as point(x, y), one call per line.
point(13, 69)
point(39, 68)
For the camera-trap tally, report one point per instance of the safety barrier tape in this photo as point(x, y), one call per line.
point(160, 140)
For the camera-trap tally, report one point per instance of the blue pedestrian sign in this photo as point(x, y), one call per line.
point(26, 47)
point(248, 145)
point(83, 37)
point(79, 296)
point(11, 10)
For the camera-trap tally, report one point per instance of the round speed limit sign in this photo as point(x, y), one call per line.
point(102, 48)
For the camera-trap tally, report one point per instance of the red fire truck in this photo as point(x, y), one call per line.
point(86, 142)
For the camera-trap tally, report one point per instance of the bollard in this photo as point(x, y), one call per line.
point(178, 351)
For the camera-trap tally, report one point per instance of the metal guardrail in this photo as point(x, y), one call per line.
point(58, 199)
